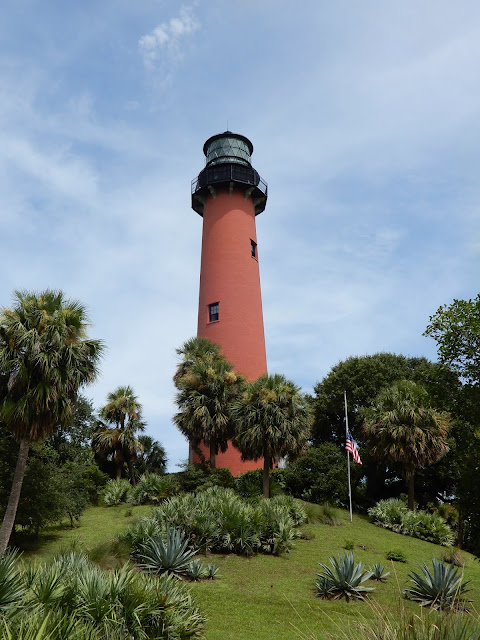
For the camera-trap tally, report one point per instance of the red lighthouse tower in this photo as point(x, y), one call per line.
point(229, 193)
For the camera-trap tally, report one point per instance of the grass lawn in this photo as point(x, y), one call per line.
point(271, 598)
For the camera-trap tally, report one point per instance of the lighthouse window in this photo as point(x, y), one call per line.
point(213, 312)
point(253, 246)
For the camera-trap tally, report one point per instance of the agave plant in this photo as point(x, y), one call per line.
point(170, 556)
point(378, 572)
point(344, 580)
point(442, 589)
point(196, 571)
point(211, 571)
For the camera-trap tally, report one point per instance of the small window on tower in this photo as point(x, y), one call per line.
point(253, 246)
point(213, 312)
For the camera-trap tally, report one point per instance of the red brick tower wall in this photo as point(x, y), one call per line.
point(230, 276)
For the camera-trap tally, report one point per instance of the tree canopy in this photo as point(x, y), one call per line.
point(207, 384)
point(272, 420)
point(46, 356)
point(403, 430)
point(456, 330)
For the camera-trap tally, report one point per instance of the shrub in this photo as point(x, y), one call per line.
point(427, 526)
point(349, 545)
point(440, 589)
point(152, 488)
point(344, 580)
point(249, 484)
point(452, 555)
point(393, 514)
point(117, 492)
point(72, 598)
point(218, 519)
point(389, 514)
point(171, 556)
point(396, 555)
point(319, 475)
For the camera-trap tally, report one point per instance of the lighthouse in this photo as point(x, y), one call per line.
point(229, 193)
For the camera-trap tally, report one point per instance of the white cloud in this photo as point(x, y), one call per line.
point(168, 36)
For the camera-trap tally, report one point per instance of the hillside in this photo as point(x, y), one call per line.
point(271, 598)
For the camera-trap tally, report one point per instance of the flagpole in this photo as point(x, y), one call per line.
point(348, 455)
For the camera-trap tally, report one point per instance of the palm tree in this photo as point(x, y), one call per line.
point(45, 358)
point(118, 441)
point(403, 429)
point(207, 384)
point(152, 457)
point(272, 420)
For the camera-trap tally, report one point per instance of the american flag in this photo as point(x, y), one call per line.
point(351, 447)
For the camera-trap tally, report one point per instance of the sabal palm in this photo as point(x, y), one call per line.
point(124, 412)
point(45, 358)
point(272, 419)
point(206, 388)
point(404, 430)
point(207, 384)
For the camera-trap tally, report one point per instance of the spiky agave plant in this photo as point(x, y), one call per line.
point(170, 556)
point(196, 570)
point(378, 572)
point(441, 589)
point(344, 579)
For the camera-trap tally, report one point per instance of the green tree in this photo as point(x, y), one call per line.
point(272, 420)
point(45, 358)
point(152, 457)
point(320, 475)
point(363, 377)
point(403, 430)
point(117, 440)
point(456, 330)
point(207, 384)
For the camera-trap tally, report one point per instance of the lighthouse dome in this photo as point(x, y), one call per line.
point(228, 147)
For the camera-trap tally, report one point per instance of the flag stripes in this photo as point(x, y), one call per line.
point(351, 447)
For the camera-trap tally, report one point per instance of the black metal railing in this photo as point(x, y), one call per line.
point(224, 173)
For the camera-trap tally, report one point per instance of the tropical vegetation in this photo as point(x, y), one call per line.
point(46, 357)
point(207, 384)
point(218, 520)
point(272, 420)
point(404, 430)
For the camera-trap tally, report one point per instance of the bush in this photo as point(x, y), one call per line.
point(72, 598)
point(396, 555)
point(117, 492)
point(389, 514)
point(219, 520)
point(427, 526)
point(319, 476)
point(249, 484)
point(452, 555)
point(440, 589)
point(344, 580)
point(152, 488)
point(393, 514)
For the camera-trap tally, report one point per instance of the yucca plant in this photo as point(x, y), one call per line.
point(344, 580)
point(378, 572)
point(441, 589)
point(171, 556)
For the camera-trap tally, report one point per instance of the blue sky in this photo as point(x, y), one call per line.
point(365, 122)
